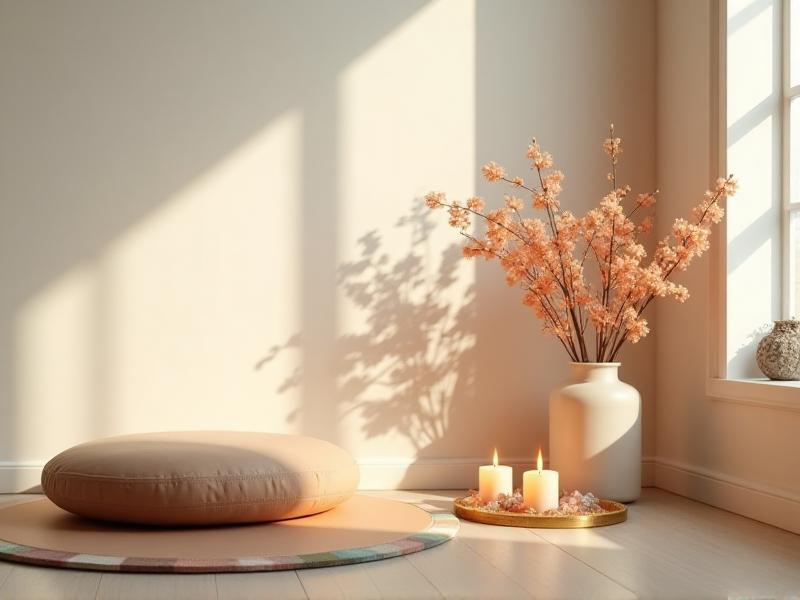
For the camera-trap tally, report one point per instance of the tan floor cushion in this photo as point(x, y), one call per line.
point(200, 477)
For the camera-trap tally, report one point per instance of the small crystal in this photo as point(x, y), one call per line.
point(572, 503)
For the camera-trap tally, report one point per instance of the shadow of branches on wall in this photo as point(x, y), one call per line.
point(403, 367)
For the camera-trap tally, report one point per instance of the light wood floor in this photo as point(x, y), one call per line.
point(670, 547)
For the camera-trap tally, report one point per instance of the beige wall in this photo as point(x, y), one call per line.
point(210, 218)
point(744, 458)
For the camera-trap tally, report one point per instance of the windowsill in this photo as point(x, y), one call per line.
point(757, 392)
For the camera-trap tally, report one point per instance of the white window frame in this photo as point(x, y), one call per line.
point(771, 394)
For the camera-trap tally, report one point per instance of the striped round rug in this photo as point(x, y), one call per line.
point(362, 529)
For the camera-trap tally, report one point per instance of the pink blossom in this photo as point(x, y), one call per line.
point(514, 203)
point(541, 160)
point(646, 200)
point(552, 182)
point(548, 257)
point(493, 172)
point(727, 186)
point(545, 200)
point(459, 217)
point(434, 199)
point(612, 146)
point(476, 203)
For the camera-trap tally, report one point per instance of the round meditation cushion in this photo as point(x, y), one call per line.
point(200, 478)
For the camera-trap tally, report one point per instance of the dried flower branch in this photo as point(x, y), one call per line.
point(547, 257)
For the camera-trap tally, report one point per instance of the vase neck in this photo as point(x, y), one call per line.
point(788, 326)
point(585, 372)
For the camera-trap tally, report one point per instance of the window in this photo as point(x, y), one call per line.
point(791, 230)
point(758, 140)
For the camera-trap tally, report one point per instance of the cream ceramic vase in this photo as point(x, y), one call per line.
point(596, 433)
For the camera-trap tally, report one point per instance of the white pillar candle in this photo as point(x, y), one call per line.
point(493, 480)
point(540, 487)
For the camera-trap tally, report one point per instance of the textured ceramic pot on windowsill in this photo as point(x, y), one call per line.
point(596, 433)
point(778, 354)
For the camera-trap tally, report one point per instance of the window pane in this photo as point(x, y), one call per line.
point(794, 265)
point(794, 41)
point(794, 151)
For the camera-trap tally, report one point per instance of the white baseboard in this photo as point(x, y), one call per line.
point(429, 473)
point(648, 473)
point(773, 506)
point(20, 477)
point(446, 473)
point(376, 474)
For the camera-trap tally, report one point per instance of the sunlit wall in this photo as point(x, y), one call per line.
point(210, 216)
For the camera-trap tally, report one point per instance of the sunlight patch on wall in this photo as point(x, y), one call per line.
point(200, 288)
point(404, 293)
point(164, 329)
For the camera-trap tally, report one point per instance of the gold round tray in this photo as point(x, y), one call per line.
point(615, 513)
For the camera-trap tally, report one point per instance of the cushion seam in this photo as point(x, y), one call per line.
point(217, 504)
point(72, 475)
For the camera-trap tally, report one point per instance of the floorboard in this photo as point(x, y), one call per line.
point(5, 571)
point(457, 571)
point(350, 581)
point(148, 586)
point(33, 583)
point(281, 585)
point(398, 578)
point(543, 569)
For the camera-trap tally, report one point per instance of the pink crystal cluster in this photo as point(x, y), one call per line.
point(570, 503)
